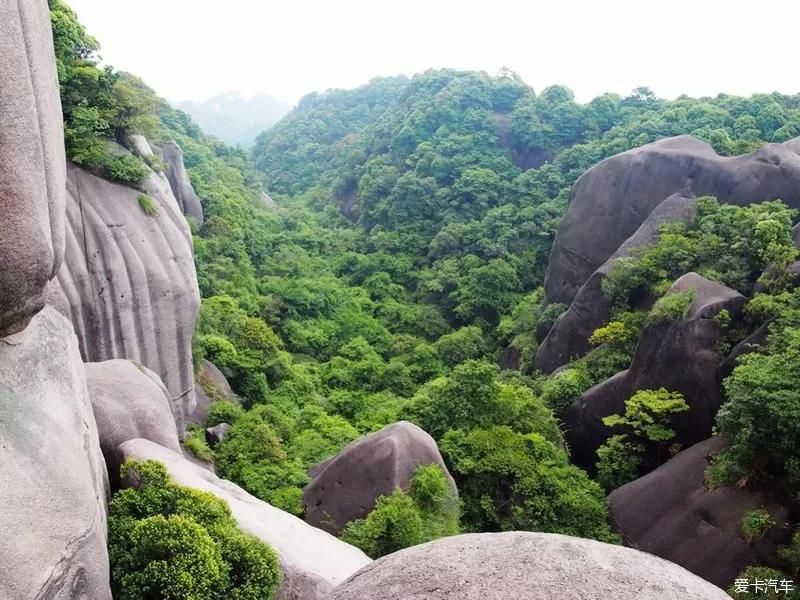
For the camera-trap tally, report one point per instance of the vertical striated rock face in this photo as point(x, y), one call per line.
point(128, 282)
point(53, 481)
point(172, 156)
point(31, 162)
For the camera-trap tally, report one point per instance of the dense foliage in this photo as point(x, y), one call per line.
point(175, 543)
point(428, 510)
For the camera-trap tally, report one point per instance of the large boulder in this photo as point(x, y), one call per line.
point(590, 309)
point(32, 166)
point(128, 282)
point(612, 199)
point(346, 486)
point(53, 482)
point(129, 402)
point(679, 355)
point(670, 513)
point(210, 386)
point(313, 562)
point(188, 201)
point(523, 566)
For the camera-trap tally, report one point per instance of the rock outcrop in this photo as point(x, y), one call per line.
point(523, 566)
point(32, 167)
point(679, 355)
point(615, 197)
point(188, 201)
point(53, 481)
point(590, 309)
point(313, 561)
point(128, 282)
point(671, 514)
point(129, 402)
point(210, 386)
point(345, 487)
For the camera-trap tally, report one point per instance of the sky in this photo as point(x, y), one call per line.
point(194, 49)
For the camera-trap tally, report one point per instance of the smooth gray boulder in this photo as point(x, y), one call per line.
point(210, 386)
point(612, 199)
point(670, 513)
point(129, 402)
point(129, 280)
point(523, 566)
point(346, 486)
point(568, 338)
point(32, 165)
point(679, 355)
point(53, 482)
point(188, 201)
point(313, 561)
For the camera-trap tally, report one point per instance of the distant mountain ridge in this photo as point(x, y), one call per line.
point(234, 118)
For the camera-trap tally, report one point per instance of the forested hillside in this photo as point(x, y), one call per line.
point(400, 277)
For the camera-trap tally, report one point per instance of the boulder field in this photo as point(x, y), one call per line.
point(611, 201)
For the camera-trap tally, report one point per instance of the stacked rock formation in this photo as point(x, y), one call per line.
point(614, 198)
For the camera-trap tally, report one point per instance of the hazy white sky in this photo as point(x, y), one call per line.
point(192, 49)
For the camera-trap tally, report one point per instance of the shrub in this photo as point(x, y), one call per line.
point(168, 541)
point(563, 388)
point(618, 462)
point(427, 511)
point(755, 524)
point(671, 307)
point(126, 169)
point(510, 481)
point(468, 343)
point(223, 411)
point(196, 443)
point(147, 204)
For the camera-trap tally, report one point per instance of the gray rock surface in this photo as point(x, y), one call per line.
point(129, 280)
point(210, 386)
point(313, 561)
point(611, 200)
point(671, 514)
point(345, 487)
point(523, 566)
point(32, 167)
point(53, 481)
point(680, 356)
point(590, 309)
point(188, 201)
point(217, 434)
point(129, 402)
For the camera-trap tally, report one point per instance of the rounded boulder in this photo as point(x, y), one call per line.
point(523, 566)
point(345, 487)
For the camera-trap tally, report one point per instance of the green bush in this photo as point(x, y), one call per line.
point(147, 204)
point(126, 169)
point(509, 481)
point(672, 307)
point(563, 388)
point(171, 542)
point(223, 411)
point(427, 511)
point(755, 524)
point(196, 443)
